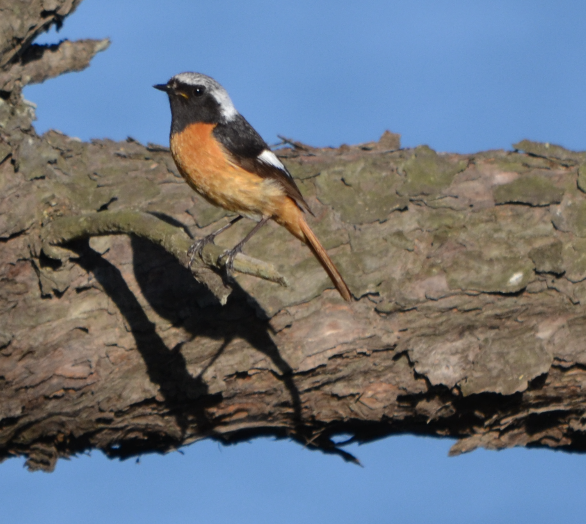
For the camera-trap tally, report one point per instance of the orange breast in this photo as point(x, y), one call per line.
point(207, 168)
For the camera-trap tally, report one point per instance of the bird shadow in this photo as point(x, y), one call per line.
point(177, 297)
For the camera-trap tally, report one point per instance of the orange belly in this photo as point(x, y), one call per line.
point(208, 170)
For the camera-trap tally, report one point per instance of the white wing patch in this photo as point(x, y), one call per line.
point(268, 157)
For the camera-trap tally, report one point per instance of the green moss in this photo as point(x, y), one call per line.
point(521, 163)
point(362, 192)
point(574, 260)
point(436, 219)
point(329, 232)
point(428, 173)
point(547, 150)
point(548, 258)
point(571, 217)
point(511, 163)
point(304, 170)
point(400, 241)
point(533, 190)
point(472, 271)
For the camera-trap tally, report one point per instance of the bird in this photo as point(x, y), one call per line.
point(224, 159)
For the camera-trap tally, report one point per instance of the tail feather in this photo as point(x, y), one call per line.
point(321, 254)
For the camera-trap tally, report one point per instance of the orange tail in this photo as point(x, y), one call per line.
point(320, 253)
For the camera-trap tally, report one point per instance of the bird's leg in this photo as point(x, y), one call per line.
point(198, 245)
point(231, 253)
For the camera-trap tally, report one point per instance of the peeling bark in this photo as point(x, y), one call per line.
point(469, 273)
point(21, 21)
point(41, 62)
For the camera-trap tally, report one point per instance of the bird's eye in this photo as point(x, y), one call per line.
point(199, 90)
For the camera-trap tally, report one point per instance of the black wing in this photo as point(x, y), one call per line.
point(248, 150)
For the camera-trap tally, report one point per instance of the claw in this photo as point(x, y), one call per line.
point(197, 247)
point(230, 255)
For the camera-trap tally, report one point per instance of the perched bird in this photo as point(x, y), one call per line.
point(225, 160)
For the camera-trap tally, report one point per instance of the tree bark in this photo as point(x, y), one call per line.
point(469, 275)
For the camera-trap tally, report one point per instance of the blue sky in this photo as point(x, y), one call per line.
point(457, 75)
point(404, 480)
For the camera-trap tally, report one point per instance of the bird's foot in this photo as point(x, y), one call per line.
point(229, 255)
point(197, 247)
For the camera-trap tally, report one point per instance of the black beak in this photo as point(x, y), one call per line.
point(162, 87)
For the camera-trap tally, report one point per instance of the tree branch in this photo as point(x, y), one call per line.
point(173, 239)
point(39, 62)
point(23, 20)
point(470, 273)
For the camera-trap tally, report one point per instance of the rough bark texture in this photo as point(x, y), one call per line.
point(41, 62)
point(21, 21)
point(469, 273)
